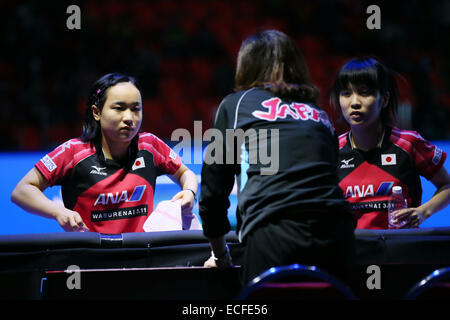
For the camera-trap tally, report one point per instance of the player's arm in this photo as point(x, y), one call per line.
point(188, 182)
point(440, 200)
point(28, 194)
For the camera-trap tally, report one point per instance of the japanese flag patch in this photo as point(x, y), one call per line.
point(139, 163)
point(388, 159)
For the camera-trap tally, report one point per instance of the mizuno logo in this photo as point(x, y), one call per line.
point(346, 164)
point(98, 170)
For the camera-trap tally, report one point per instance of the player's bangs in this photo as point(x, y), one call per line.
point(358, 73)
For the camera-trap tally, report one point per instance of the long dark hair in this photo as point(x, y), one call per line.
point(376, 76)
point(97, 96)
point(271, 59)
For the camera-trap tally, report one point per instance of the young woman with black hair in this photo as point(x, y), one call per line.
point(295, 214)
point(108, 175)
point(375, 155)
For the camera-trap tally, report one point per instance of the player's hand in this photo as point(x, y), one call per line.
point(187, 203)
point(71, 221)
point(413, 217)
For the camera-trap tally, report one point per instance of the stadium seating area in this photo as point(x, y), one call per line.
point(183, 55)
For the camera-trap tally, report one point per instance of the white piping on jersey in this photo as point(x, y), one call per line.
point(155, 152)
point(148, 134)
point(217, 113)
point(399, 146)
point(238, 104)
point(150, 148)
point(409, 133)
point(411, 145)
point(71, 165)
point(67, 145)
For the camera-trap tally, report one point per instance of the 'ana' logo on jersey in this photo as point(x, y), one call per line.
point(118, 197)
point(362, 191)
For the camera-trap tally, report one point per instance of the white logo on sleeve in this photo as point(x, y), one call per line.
point(173, 155)
point(437, 156)
point(388, 159)
point(139, 163)
point(346, 163)
point(48, 163)
point(98, 171)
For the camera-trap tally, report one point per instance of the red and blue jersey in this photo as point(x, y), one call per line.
point(111, 197)
point(367, 178)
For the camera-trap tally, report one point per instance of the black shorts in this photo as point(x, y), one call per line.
point(324, 240)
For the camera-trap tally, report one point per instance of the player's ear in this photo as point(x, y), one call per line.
point(386, 98)
point(95, 112)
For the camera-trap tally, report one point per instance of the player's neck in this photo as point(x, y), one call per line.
point(114, 150)
point(368, 137)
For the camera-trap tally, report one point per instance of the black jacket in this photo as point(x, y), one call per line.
point(290, 172)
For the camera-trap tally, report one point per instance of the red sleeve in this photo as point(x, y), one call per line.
point(164, 157)
point(427, 158)
point(55, 165)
